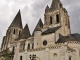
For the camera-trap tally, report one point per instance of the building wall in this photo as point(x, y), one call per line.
point(50, 38)
point(51, 53)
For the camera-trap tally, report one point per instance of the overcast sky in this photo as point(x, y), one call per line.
point(32, 11)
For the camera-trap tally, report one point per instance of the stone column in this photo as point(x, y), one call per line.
point(54, 38)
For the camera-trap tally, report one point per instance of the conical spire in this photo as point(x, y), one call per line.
point(25, 33)
point(17, 22)
point(38, 26)
point(55, 4)
point(47, 9)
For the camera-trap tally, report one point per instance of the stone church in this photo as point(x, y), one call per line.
point(49, 41)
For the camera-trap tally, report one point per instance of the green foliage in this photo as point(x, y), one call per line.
point(8, 54)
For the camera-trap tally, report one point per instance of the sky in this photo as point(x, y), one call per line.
point(32, 11)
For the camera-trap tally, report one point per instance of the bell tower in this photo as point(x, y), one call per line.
point(16, 27)
point(56, 15)
point(13, 31)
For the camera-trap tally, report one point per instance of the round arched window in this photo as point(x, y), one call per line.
point(44, 42)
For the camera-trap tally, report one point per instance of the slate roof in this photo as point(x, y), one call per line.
point(38, 27)
point(76, 35)
point(51, 30)
point(71, 37)
point(25, 33)
point(17, 22)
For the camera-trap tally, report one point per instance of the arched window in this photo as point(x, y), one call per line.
point(57, 18)
point(28, 45)
point(14, 31)
point(50, 20)
point(55, 54)
point(20, 57)
point(32, 45)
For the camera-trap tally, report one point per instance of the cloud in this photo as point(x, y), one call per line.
point(32, 11)
point(73, 10)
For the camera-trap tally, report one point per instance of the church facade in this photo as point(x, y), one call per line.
point(49, 41)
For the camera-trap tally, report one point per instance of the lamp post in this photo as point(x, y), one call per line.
point(11, 57)
point(32, 57)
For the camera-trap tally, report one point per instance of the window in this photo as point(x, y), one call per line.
point(55, 54)
point(20, 57)
point(60, 5)
point(24, 46)
point(57, 18)
point(13, 50)
point(69, 57)
point(50, 20)
point(32, 45)
point(19, 32)
point(44, 42)
point(14, 31)
point(28, 45)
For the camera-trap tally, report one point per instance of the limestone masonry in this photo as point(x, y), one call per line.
point(50, 41)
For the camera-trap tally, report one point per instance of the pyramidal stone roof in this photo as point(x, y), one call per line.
point(54, 4)
point(17, 22)
point(38, 27)
point(25, 33)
